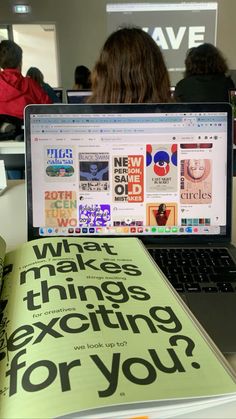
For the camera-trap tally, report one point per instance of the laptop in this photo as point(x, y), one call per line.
point(161, 172)
point(77, 96)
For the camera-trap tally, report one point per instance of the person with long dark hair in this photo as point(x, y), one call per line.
point(82, 78)
point(130, 69)
point(205, 78)
point(37, 75)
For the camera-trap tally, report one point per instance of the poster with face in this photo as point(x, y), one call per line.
point(196, 181)
point(161, 167)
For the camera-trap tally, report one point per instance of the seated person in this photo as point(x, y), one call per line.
point(81, 78)
point(16, 91)
point(130, 69)
point(205, 78)
point(37, 75)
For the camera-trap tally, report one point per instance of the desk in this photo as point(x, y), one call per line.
point(12, 147)
point(13, 226)
point(13, 155)
point(13, 229)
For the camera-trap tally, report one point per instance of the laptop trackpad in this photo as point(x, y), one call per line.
point(217, 314)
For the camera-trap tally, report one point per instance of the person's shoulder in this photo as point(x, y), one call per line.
point(31, 82)
point(180, 82)
point(11, 73)
point(46, 85)
point(48, 88)
point(184, 81)
point(39, 93)
point(230, 82)
point(180, 87)
point(50, 92)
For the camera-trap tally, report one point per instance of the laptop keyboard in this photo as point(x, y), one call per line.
point(197, 270)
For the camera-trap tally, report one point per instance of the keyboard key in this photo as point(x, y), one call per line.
point(225, 287)
point(179, 288)
point(192, 287)
point(210, 289)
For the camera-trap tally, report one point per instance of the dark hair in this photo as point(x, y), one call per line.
point(82, 77)
point(205, 59)
point(130, 69)
point(10, 54)
point(35, 74)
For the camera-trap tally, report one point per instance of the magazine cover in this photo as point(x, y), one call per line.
point(196, 181)
point(60, 208)
point(161, 167)
point(93, 324)
point(94, 172)
point(128, 178)
point(59, 163)
point(162, 214)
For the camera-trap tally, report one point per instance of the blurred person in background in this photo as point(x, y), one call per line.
point(206, 78)
point(82, 78)
point(35, 74)
point(16, 91)
point(130, 69)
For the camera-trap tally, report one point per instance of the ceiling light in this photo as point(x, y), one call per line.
point(21, 8)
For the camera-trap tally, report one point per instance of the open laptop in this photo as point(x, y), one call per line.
point(161, 172)
point(77, 96)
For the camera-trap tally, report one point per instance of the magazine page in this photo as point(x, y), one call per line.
point(90, 323)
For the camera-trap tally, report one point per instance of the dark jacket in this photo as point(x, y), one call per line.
point(204, 88)
point(50, 92)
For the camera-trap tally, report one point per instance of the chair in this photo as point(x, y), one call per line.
point(11, 128)
point(59, 93)
point(14, 162)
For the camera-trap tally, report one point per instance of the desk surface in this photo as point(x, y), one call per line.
point(12, 147)
point(13, 229)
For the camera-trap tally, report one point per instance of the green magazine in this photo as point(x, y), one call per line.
point(91, 328)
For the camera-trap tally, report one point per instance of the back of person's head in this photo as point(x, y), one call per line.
point(82, 77)
point(205, 59)
point(35, 74)
point(10, 54)
point(130, 69)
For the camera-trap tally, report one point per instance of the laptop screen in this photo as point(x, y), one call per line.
point(77, 96)
point(155, 171)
